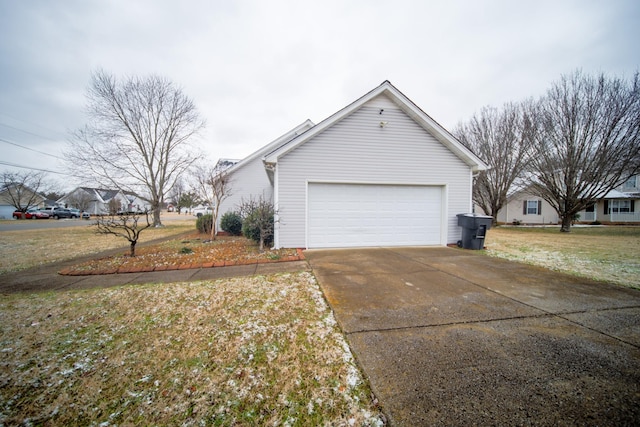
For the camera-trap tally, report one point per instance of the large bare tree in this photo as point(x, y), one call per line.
point(23, 190)
point(498, 136)
point(586, 140)
point(137, 138)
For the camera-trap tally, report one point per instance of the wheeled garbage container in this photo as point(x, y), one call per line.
point(474, 229)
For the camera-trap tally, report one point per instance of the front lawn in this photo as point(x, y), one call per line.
point(608, 253)
point(235, 352)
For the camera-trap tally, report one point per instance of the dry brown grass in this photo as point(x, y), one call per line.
point(609, 254)
point(30, 248)
point(245, 351)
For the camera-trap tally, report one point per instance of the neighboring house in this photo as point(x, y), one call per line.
point(8, 196)
point(379, 172)
point(618, 205)
point(525, 208)
point(97, 201)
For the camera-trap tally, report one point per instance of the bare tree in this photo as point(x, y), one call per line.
point(137, 139)
point(23, 190)
point(80, 200)
point(126, 225)
point(215, 186)
point(586, 140)
point(499, 138)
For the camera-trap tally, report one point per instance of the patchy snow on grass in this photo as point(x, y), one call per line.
point(263, 350)
point(609, 255)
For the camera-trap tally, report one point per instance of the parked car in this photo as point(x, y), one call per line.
point(31, 214)
point(85, 215)
point(64, 213)
point(199, 211)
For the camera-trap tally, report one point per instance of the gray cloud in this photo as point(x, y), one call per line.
point(256, 69)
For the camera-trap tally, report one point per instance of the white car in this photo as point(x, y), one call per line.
point(202, 210)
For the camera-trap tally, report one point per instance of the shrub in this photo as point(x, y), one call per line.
point(252, 224)
point(231, 222)
point(204, 223)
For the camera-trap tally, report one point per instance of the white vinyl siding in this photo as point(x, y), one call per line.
point(250, 180)
point(357, 149)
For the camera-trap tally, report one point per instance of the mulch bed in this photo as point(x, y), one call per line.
point(192, 251)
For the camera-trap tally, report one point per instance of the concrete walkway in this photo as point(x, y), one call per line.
point(451, 337)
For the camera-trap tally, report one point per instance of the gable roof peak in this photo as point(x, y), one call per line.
point(406, 105)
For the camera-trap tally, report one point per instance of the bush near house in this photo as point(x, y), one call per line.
point(204, 223)
point(231, 222)
point(253, 223)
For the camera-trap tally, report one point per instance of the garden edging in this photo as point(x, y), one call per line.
point(71, 271)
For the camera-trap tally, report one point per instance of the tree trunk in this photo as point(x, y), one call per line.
point(566, 224)
point(132, 249)
point(156, 217)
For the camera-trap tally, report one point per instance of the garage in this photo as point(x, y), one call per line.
point(351, 215)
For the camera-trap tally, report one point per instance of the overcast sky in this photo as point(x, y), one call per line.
point(256, 69)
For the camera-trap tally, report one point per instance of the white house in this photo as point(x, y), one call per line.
point(379, 172)
point(525, 208)
point(617, 206)
point(97, 201)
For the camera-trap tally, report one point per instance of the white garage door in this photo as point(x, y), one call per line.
point(351, 215)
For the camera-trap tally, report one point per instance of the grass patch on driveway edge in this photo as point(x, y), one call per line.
point(606, 253)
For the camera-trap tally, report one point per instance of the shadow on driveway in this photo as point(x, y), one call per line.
point(452, 337)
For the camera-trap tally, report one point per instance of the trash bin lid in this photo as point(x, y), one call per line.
point(474, 215)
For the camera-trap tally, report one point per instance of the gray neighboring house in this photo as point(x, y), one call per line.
point(379, 172)
point(26, 195)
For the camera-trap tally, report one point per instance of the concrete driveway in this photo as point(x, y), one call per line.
point(452, 337)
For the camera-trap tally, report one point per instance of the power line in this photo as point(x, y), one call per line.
point(15, 165)
point(29, 123)
point(28, 132)
point(31, 149)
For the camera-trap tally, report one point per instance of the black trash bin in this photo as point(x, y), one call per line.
point(474, 230)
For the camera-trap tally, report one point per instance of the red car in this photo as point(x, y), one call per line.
point(30, 214)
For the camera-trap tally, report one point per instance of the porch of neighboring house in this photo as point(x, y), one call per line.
point(612, 211)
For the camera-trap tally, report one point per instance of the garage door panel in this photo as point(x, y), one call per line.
point(343, 215)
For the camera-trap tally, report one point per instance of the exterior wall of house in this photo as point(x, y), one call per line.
point(514, 211)
point(249, 180)
point(358, 149)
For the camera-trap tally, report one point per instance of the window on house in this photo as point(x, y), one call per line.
point(630, 183)
point(619, 206)
point(532, 207)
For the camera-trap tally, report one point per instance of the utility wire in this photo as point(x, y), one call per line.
point(32, 168)
point(27, 132)
point(29, 123)
point(31, 149)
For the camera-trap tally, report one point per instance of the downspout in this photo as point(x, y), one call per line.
point(272, 173)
